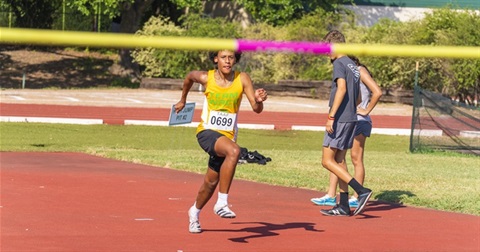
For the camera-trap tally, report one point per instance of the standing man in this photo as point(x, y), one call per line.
point(340, 126)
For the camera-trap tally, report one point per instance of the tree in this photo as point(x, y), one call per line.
point(280, 12)
point(34, 13)
point(174, 63)
point(131, 13)
point(460, 28)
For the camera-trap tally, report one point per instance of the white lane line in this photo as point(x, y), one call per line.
point(133, 100)
point(169, 100)
point(256, 126)
point(289, 104)
point(195, 124)
point(311, 128)
point(19, 98)
point(50, 120)
point(70, 98)
point(156, 123)
point(470, 133)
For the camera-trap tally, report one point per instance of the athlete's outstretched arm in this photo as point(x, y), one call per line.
point(257, 97)
point(192, 77)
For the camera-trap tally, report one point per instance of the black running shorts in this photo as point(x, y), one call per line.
point(206, 140)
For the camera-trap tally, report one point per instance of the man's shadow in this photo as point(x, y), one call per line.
point(394, 196)
point(264, 229)
point(386, 201)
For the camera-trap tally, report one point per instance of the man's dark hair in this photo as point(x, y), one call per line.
point(334, 36)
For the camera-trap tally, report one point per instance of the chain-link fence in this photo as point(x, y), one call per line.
point(438, 123)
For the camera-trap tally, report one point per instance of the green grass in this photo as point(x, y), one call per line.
point(443, 181)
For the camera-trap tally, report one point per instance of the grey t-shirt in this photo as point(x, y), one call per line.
point(366, 95)
point(345, 68)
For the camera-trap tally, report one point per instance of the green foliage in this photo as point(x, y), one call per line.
point(442, 27)
point(176, 63)
point(194, 5)
point(90, 8)
point(263, 67)
point(266, 67)
point(308, 66)
point(33, 13)
point(281, 20)
point(6, 17)
point(272, 67)
point(281, 12)
point(160, 63)
point(449, 27)
point(124, 82)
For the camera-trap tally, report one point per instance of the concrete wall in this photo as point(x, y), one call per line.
point(367, 14)
point(370, 15)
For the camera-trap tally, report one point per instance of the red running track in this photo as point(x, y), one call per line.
point(118, 115)
point(77, 202)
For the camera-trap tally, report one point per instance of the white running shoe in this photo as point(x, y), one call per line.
point(325, 201)
point(224, 211)
point(194, 226)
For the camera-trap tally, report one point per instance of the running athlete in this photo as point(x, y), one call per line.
point(217, 131)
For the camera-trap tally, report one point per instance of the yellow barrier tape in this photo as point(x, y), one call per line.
point(408, 50)
point(110, 40)
point(115, 40)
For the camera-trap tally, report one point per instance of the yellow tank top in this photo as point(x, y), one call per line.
point(221, 106)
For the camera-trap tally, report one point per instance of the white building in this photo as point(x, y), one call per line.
point(370, 12)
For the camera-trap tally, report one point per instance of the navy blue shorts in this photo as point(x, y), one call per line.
point(207, 139)
point(342, 137)
point(363, 127)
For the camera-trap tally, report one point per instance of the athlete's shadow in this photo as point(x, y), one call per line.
point(264, 229)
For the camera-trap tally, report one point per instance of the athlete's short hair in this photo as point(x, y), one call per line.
point(212, 55)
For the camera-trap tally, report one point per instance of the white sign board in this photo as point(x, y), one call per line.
point(182, 117)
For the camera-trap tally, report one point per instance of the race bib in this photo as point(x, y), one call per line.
point(221, 120)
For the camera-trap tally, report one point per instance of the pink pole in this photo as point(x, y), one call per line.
point(279, 46)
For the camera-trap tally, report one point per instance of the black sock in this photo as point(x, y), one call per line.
point(359, 189)
point(344, 200)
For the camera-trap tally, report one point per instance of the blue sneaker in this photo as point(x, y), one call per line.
point(362, 201)
point(325, 201)
point(353, 202)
